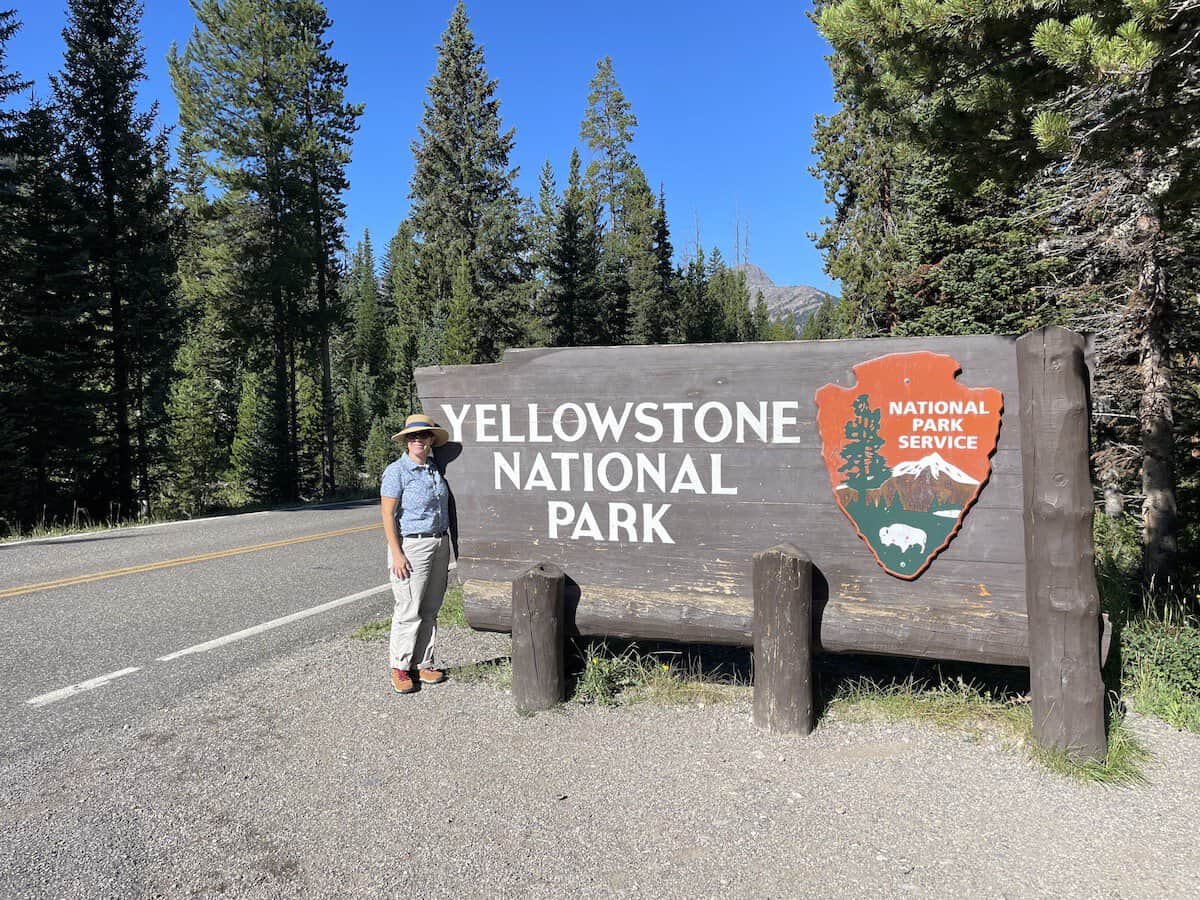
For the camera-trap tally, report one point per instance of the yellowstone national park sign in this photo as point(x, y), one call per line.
point(651, 475)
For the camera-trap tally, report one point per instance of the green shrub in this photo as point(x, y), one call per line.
point(1170, 652)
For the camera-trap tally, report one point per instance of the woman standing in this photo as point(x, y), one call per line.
point(416, 521)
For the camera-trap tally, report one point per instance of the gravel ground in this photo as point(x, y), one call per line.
point(308, 777)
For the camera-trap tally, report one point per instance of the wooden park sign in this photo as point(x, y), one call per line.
point(925, 497)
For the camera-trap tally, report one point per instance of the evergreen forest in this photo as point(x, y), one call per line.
point(188, 332)
point(186, 327)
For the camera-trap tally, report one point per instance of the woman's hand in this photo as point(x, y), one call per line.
point(401, 567)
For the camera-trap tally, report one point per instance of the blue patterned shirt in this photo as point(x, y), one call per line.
point(424, 499)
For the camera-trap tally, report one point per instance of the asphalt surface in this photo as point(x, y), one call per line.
point(69, 634)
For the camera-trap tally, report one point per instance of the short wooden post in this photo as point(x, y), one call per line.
point(1060, 580)
point(538, 638)
point(783, 696)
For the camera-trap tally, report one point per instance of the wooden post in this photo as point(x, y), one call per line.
point(1063, 603)
point(538, 638)
point(783, 697)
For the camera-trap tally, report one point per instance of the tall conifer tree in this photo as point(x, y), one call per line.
point(262, 107)
point(607, 128)
point(464, 198)
point(47, 401)
point(116, 170)
point(572, 299)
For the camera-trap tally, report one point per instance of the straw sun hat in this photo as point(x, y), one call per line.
point(422, 422)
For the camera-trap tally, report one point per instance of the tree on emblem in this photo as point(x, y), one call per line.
point(864, 465)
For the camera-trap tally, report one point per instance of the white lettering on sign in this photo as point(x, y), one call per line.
point(621, 519)
point(699, 471)
point(937, 424)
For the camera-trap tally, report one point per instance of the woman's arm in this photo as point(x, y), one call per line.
point(400, 565)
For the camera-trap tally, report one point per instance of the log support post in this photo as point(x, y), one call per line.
point(1060, 586)
point(783, 695)
point(538, 638)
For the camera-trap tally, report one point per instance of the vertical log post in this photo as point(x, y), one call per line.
point(783, 696)
point(538, 638)
point(1060, 580)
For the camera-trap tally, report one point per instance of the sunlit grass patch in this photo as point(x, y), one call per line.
point(451, 615)
point(1122, 766)
point(967, 709)
point(958, 705)
point(372, 631)
point(610, 677)
point(490, 671)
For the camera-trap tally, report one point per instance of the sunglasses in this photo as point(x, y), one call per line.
point(420, 435)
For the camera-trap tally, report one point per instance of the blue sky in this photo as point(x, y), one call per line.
point(724, 93)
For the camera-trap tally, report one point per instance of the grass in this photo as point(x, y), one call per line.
point(1156, 663)
point(1160, 668)
point(450, 615)
point(978, 713)
point(606, 674)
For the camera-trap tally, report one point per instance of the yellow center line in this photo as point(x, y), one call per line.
point(182, 561)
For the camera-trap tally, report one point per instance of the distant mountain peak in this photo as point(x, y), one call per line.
point(755, 277)
point(800, 300)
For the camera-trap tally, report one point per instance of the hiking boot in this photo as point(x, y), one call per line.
point(402, 682)
point(431, 676)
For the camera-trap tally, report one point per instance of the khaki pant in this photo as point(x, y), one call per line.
point(417, 601)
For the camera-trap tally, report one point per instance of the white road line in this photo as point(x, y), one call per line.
point(274, 623)
point(91, 683)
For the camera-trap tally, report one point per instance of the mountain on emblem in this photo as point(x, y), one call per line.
point(908, 450)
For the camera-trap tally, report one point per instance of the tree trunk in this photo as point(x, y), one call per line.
point(328, 484)
point(1155, 414)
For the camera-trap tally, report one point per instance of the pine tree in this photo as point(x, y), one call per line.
point(381, 451)
point(731, 300)
point(193, 437)
point(47, 403)
point(646, 301)
point(607, 129)
point(459, 349)
point(117, 171)
point(464, 198)
point(667, 279)
point(255, 445)
point(369, 345)
point(353, 426)
point(262, 104)
point(761, 318)
point(402, 292)
point(329, 123)
point(699, 316)
point(570, 310)
point(541, 236)
point(541, 232)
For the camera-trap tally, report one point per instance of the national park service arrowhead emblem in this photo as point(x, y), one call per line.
point(908, 451)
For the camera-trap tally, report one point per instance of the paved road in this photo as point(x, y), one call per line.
point(87, 607)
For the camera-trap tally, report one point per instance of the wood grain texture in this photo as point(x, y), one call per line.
point(1065, 627)
point(783, 593)
point(970, 604)
point(538, 638)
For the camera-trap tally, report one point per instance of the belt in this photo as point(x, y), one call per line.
point(426, 534)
